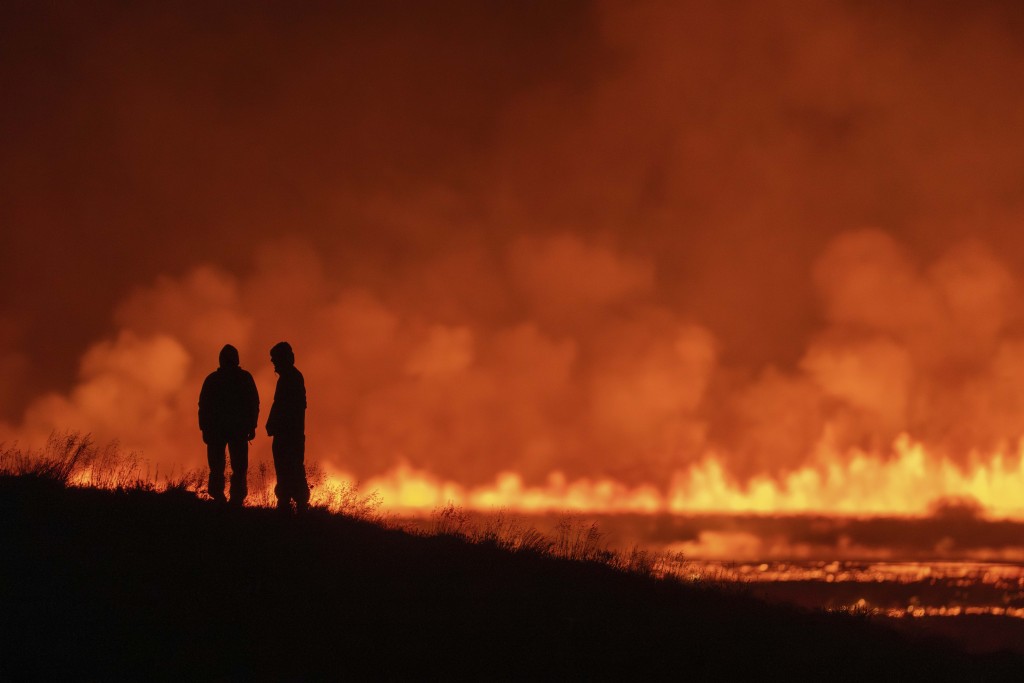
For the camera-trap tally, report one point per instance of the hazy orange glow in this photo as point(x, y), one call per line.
point(636, 256)
point(630, 418)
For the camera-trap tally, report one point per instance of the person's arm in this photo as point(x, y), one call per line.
point(204, 408)
point(275, 411)
point(254, 408)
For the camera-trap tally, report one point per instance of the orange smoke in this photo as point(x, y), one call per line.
point(607, 400)
point(617, 250)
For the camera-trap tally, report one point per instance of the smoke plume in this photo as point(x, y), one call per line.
point(598, 238)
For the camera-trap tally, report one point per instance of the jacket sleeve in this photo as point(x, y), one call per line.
point(274, 417)
point(253, 407)
point(205, 422)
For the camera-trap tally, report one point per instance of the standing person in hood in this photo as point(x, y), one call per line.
point(229, 407)
point(287, 424)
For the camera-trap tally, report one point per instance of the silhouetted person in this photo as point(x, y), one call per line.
point(229, 408)
point(287, 424)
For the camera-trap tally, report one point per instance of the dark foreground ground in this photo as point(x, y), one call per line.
point(137, 585)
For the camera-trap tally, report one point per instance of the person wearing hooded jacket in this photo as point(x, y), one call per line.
point(229, 407)
point(287, 425)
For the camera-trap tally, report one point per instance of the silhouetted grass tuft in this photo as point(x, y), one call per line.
point(572, 538)
point(577, 539)
point(345, 498)
point(508, 532)
point(74, 459)
point(451, 520)
point(64, 455)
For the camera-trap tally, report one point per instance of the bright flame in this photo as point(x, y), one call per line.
point(856, 483)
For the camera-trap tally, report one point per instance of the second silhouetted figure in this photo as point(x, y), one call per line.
point(287, 424)
point(229, 407)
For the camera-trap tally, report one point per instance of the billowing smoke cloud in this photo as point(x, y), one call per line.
point(931, 349)
point(599, 382)
point(587, 379)
point(600, 238)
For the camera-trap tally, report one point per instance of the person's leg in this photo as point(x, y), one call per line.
point(289, 452)
point(300, 487)
point(239, 471)
point(280, 453)
point(215, 459)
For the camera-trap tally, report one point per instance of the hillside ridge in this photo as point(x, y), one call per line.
point(140, 584)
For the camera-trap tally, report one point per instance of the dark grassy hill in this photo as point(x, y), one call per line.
point(111, 585)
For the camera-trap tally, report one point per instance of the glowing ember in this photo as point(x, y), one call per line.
point(934, 589)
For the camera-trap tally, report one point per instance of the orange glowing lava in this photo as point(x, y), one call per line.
point(905, 483)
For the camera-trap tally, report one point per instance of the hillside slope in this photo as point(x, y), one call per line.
point(100, 584)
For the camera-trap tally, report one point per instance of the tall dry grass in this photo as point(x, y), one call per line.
point(572, 538)
point(75, 459)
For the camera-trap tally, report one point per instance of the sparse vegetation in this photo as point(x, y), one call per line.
point(577, 539)
point(451, 520)
point(345, 498)
point(508, 532)
point(573, 538)
point(64, 455)
point(261, 487)
point(74, 459)
point(71, 458)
